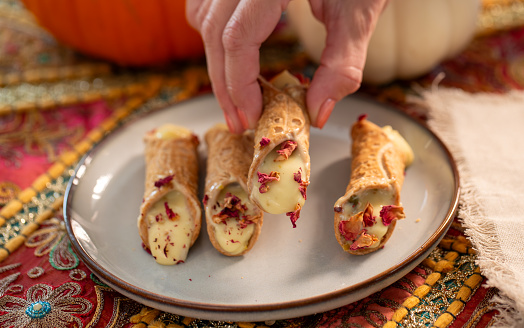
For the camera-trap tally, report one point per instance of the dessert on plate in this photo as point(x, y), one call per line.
point(279, 174)
point(170, 215)
point(233, 222)
point(365, 217)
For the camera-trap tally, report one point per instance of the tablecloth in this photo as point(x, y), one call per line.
point(56, 104)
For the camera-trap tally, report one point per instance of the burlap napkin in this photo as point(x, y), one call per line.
point(485, 133)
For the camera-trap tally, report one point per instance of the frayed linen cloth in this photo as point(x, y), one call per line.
point(485, 134)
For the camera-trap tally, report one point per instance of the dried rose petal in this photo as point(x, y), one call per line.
point(295, 215)
point(144, 247)
point(286, 149)
point(367, 217)
point(245, 221)
point(304, 80)
point(363, 241)
point(195, 140)
point(205, 199)
point(232, 208)
point(264, 179)
point(263, 188)
point(298, 176)
point(388, 213)
point(302, 184)
point(158, 217)
point(170, 214)
point(264, 142)
point(349, 229)
point(162, 182)
point(362, 117)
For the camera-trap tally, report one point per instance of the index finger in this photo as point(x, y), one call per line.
point(251, 24)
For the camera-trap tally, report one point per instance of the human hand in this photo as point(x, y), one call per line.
point(233, 31)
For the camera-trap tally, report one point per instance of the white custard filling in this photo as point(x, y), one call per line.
point(377, 199)
point(233, 235)
point(282, 196)
point(400, 143)
point(171, 131)
point(169, 238)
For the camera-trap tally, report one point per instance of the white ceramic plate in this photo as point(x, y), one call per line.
point(290, 272)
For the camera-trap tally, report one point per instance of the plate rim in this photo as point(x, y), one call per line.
point(412, 259)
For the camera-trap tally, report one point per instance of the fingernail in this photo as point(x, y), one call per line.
point(243, 119)
point(232, 126)
point(325, 111)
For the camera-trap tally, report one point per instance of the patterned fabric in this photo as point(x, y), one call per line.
point(56, 104)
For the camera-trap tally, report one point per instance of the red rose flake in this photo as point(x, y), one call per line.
point(367, 217)
point(227, 213)
point(206, 198)
point(294, 216)
point(349, 229)
point(286, 149)
point(362, 117)
point(389, 213)
point(298, 176)
point(264, 179)
point(246, 220)
point(232, 201)
point(170, 214)
point(363, 241)
point(303, 189)
point(304, 80)
point(263, 189)
point(158, 217)
point(144, 247)
point(162, 182)
point(195, 140)
point(302, 184)
point(264, 142)
point(232, 208)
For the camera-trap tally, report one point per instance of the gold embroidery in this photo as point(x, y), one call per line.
point(8, 192)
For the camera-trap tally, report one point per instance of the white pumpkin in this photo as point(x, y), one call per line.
point(410, 38)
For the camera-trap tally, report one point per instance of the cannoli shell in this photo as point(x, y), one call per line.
point(376, 164)
point(229, 158)
point(165, 157)
point(284, 117)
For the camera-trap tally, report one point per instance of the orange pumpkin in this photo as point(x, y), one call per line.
point(127, 32)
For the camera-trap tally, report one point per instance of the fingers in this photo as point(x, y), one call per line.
point(349, 25)
point(251, 24)
point(210, 18)
point(233, 31)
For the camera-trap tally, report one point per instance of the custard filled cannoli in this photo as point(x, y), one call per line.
point(366, 215)
point(233, 222)
point(170, 215)
point(279, 174)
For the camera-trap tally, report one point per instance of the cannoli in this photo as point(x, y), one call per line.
point(279, 174)
point(233, 222)
point(366, 215)
point(170, 215)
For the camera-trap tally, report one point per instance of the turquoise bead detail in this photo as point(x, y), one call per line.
point(38, 310)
